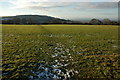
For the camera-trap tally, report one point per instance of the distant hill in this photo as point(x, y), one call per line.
point(32, 19)
point(43, 19)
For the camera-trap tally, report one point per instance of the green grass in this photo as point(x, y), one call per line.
point(60, 51)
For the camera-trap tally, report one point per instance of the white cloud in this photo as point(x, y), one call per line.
point(81, 0)
point(48, 4)
point(37, 4)
point(25, 3)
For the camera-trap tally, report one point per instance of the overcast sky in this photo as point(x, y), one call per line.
point(67, 9)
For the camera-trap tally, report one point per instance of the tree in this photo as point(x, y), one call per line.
point(30, 21)
point(95, 22)
point(24, 21)
point(106, 21)
point(16, 20)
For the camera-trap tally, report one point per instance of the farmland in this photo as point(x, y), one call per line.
point(60, 51)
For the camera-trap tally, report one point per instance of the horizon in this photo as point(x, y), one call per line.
point(65, 10)
point(80, 20)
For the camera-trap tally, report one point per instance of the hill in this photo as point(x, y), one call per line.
point(32, 19)
point(43, 19)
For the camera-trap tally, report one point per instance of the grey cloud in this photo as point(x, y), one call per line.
point(105, 5)
point(76, 5)
point(46, 5)
point(97, 5)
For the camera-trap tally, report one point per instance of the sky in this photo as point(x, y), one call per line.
point(66, 9)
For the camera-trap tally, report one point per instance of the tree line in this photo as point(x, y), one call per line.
point(29, 21)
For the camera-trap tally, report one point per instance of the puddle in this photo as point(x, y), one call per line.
point(55, 55)
point(88, 35)
point(56, 35)
point(56, 69)
point(50, 72)
point(115, 46)
point(47, 73)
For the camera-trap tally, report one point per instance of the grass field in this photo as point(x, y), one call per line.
point(48, 52)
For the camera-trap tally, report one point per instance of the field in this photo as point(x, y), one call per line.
point(46, 52)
